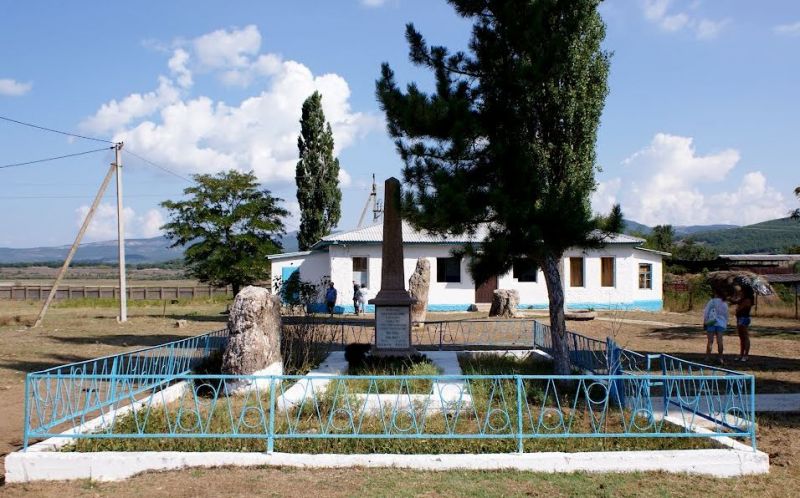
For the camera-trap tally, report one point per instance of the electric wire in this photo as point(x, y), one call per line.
point(36, 161)
point(162, 168)
point(44, 128)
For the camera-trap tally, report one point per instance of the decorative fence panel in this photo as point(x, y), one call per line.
point(619, 396)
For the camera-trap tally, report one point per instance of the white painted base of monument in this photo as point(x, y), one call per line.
point(243, 386)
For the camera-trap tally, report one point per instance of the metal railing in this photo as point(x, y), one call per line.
point(86, 389)
point(618, 382)
point(516, 408)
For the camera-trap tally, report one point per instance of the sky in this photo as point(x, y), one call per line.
point(701, 124)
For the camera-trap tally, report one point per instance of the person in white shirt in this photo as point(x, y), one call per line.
point(715, 321)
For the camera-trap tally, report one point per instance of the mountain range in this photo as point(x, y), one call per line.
point(773, 236)
point(137, 251)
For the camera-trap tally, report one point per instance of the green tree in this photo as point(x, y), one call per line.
point(662, 238)
point(507, 140)
point(317, 175)
point(229, 226)
point(796, 213)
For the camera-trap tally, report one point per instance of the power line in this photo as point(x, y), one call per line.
point(162, 168)
point(14, 165)
point(44, 128)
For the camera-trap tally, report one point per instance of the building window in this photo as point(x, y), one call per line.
point(448, 269)
point(645, 276)
point(525, 270)
point(576, 272)
point(360, 272)
point(607, 272)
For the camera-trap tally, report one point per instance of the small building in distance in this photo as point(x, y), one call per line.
point(621, 275)
point(762, 264)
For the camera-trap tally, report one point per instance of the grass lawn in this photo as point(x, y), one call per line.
point(73, 334)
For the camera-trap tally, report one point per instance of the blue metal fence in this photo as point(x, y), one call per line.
point(619, 396)
point(514, 407)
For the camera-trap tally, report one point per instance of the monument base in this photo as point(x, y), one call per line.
point(394, 353)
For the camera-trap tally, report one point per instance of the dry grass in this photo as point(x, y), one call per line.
point(77, 334)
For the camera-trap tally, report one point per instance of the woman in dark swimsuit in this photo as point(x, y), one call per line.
point(743, 322)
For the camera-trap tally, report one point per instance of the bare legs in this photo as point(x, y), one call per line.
point(744, 342)
point(711, 336)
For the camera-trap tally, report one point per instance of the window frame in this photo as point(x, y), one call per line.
point(646, 277)
point(524, 274)
point(365, 272)
point(613, 271)
point(582, 271)
point(442, 266)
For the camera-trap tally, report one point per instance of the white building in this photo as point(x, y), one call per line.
point(621, 275)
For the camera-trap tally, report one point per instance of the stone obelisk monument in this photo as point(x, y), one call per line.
point(393, 302)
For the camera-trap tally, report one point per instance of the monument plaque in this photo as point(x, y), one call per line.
point(392, 325)
point(393, 302)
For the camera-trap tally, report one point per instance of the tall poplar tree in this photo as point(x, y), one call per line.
point(317, 175)
point(506, 141)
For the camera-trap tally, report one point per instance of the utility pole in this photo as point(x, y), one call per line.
point(123, 298)
point(376, 206)
point(74, 248)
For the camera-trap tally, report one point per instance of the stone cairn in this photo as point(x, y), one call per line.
point(254, 344)
point(504, 303)
point(418, 287)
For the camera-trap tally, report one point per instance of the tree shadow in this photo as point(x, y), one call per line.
point(123, 340)
point(189, 317)
point(695, 331)
point(52, 360)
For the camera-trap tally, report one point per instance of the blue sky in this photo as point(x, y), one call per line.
point(701, 125)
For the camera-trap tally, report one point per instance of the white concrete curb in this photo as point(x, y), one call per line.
point(112, 466)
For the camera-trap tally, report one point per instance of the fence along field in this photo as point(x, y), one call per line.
point(147, 292)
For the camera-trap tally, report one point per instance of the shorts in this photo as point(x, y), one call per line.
point(715, 329)
point(743, 321)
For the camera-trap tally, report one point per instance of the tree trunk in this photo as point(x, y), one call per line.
point(558, 326)
point(236, 288)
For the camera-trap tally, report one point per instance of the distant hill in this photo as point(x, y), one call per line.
point(137, 251)
point(771, 236)
point(631, 226)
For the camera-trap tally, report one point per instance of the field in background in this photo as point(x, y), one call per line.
point(78, 333)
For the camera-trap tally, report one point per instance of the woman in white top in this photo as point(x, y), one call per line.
point(715, 321)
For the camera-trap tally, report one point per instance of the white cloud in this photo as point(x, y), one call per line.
point(197, 134)
point(13, 88)
point(660, 13)
point(104, 222)
point(373, 3)
point(605, 196)
point(669, 182)
point(115, 114)
point(178, 66)
point(792, 29)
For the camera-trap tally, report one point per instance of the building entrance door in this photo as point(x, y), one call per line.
point(485, 292)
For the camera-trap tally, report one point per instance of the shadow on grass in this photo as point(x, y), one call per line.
point(694, 331)
point(190, 317)
point(123, 340)
point(53, 360)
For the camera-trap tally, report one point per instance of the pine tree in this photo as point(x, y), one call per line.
point(317, 175)
point(507, 139)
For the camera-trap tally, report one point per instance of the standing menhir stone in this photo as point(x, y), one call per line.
point(392, 303)
point(254, 346)
point(504, 303)
point(418, 286)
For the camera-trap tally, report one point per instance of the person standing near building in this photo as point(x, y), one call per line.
point(330, 298)
point(355, 297)
point(743, 306)
point(715, 321)
point(362, 298)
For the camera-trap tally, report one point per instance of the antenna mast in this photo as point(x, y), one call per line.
point(377, 206)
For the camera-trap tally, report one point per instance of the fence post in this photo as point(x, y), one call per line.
point(520, 446)
point(271, 433)
point(26, 419)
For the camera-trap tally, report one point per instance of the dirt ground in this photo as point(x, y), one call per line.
point(70, 335)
